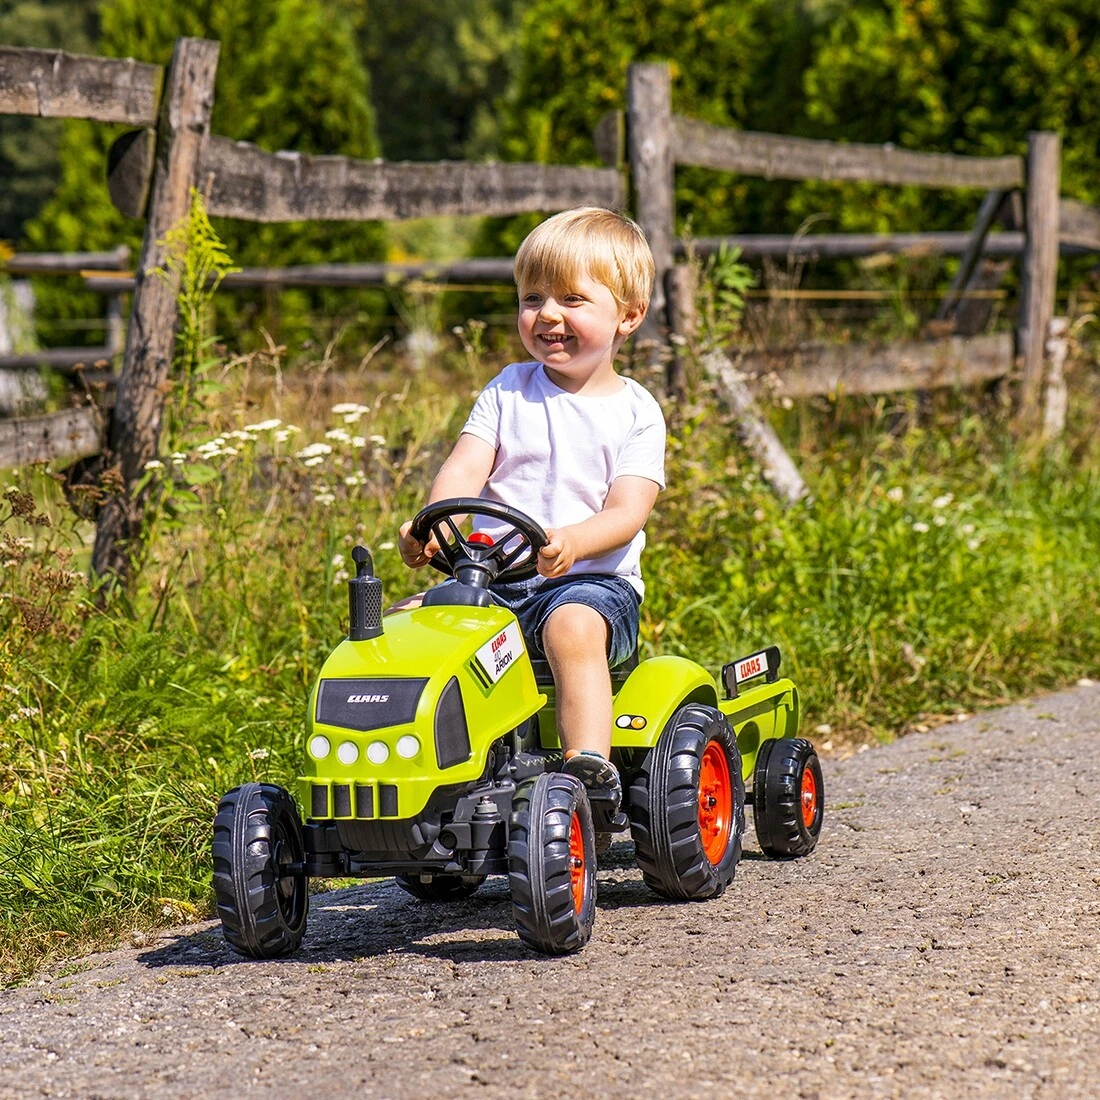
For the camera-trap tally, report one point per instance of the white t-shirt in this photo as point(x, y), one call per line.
point(557, 454)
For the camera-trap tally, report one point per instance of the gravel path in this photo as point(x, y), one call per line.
point(943, 940)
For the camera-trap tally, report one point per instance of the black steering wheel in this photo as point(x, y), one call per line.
point(513, 557)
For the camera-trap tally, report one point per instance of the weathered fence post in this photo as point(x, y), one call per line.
point(681, 288)
point(1055, 395)
point(182, 128)
point(649, 147)
point(1040, 266)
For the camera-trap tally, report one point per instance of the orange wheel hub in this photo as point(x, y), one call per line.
point(715, 802)
point(577, 877)
point(809, 798)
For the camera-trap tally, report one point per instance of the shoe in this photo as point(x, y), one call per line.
point(600, 778)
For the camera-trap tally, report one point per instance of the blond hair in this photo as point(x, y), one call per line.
point(588, 241)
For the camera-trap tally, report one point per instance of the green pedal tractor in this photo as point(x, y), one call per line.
point(432, 756)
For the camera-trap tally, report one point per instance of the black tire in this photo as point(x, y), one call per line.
point(687, 843)
point(788, 798)
point(262, 902)
point(553, 898)
point(440, 887)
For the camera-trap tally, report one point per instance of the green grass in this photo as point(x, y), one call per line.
point(938, 568)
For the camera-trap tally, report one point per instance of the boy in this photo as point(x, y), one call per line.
point(581, 450)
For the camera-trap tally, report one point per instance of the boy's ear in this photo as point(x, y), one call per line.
point(632, 318)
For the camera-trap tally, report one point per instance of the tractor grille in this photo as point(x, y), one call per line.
point(356, 801)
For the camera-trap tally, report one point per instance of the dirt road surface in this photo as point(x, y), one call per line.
point(943, 941)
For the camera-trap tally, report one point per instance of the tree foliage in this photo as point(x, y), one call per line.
point(28, 146)
point(436, 66)
point(289, 77)
point(956, 76)
point(962, 76)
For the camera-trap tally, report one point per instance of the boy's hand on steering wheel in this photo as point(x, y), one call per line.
point(415, 554)
point(556, 558)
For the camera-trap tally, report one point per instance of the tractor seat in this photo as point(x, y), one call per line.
point(544, 677)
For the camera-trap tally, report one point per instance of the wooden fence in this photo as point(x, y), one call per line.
point(657, 141)
point(151, 170)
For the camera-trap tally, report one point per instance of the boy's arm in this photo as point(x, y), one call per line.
point(464, 474)
point(628, 504)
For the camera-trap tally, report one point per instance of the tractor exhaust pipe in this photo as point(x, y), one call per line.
point(364, 598)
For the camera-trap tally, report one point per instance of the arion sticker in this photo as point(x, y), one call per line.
point(630, 722)
point(497, 656)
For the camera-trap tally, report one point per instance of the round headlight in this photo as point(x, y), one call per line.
point(319, 747)
point(378, 752)
point(348, 752)
point(407, 746)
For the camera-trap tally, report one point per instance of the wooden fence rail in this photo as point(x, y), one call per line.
point(72, 263)
point(775, 157)
point(55, 84)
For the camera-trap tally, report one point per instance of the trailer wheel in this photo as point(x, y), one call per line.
point(788, 800)
point(440, 887)
point(552, 864)
point(259, 882)
point(687, 806)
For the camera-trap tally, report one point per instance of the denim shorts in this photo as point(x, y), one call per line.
point(614, 597)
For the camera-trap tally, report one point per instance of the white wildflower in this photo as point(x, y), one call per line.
point(340, 576)
point(385, 546)
point(314, 450)
point(968, 529)
point(348, 407)
point(944, 501)
point(939, 521)
point(355, 479)
point(154, 464)
point(337, 561)
point(325, 498)
point(973, 544)
point(264, 426)
point(353, 417)
point(339, 435)
point(282, 436)
point(358, 441)
point(314, 461)
point(258, 754)
point(895, 495)
point(240, 436)
point(378, 440)
point(920, 528)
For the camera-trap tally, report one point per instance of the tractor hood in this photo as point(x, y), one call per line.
point(395, 716)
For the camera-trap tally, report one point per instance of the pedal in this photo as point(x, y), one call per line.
point(604, 820)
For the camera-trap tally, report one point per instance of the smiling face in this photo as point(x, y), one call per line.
point(575, 332)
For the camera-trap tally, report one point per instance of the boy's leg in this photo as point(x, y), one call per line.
point(574, 639)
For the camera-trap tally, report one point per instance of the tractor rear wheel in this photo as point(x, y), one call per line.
point(687, 806)
point(259, 882)
point(440, 887)
point(552, 864)
point(788, 797)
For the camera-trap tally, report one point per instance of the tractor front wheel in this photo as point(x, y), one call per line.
point(552, 864)
point(788, 798)
point(687, 806)
point(440, 887)
point(259, 882)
